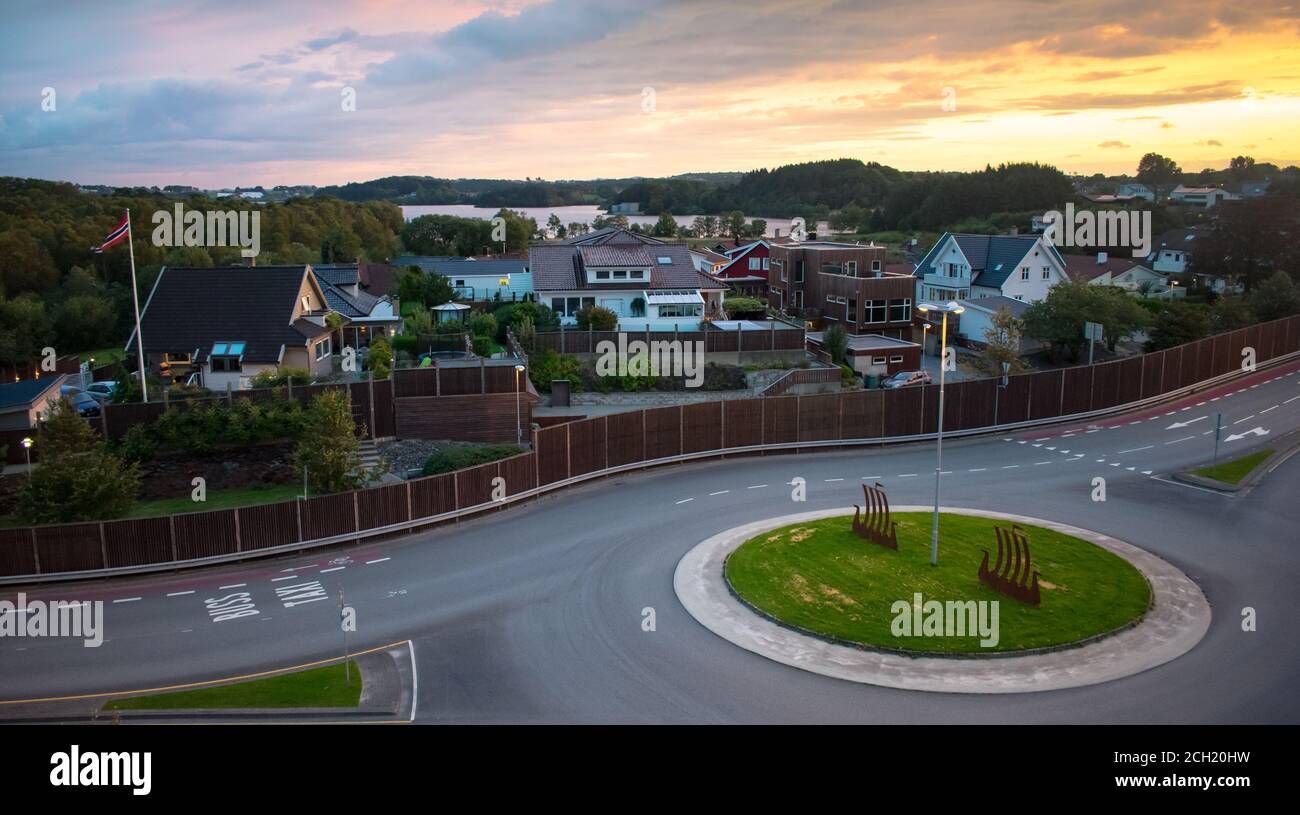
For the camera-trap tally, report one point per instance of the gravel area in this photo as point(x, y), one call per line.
point(410, 454)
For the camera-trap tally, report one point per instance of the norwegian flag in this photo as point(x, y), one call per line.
point(119, 232)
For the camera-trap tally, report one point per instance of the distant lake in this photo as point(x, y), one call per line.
point(578, 214)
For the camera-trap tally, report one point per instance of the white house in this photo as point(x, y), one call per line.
point(977, 318)
point(1172, 251)
point(1137, 191)
point(968, 267)
point(646, 282)
point(1205, 197)
point(1121, 272)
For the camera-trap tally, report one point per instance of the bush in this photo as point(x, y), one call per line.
point(482, 324)
point(836, 342)
point(277, 379)
point(744, 305)
point(458, 458)
point(380, 359)
point(483, 346)
point(329, 451)
point(405, 343)
point(137, 444)
point(546, 365)
point(848, 376)
point(509, 316)
point(77, 478)
point(206, 426)
point(596, 318)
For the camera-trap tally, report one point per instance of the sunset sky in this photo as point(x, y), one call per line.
point(226, 93)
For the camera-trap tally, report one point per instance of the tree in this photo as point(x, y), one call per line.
point(380, 359)
point(1002, 344)
point(329, 451)
point(836, 342)
point(1275, 298)
point(1231, 312)
point(1059, 319)
point(596, 318)
point(25, 329)
point(84, 322)
point(1249, 240)
point(1158, 172)
point(665, 227)
point(25, 265)
point(555, 226)
point(1177, 323)
point(77, 478)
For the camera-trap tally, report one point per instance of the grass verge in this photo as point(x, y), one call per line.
point(820, 577)
point(326, 686)
point(1233, 470)
point(217, 499)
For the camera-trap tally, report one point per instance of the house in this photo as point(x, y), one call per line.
point(645, 281)
point(25, 403)
point(1204, 197)
point(478, 281)
point(1172, 251)
point(1136, 190)
point(1103, 270)
point(977, 318)
point(231, 323)
point(1254, 189)
point(874, 354)
point(367, 315)
point(967, 267)
point(378, 278)
point(746, 268)
point(709, 261)
point(828, 282)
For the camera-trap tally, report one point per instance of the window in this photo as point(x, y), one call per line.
point(875, 266)
point(755, 264)
point(766, 263)
point(620, 274)
point(681, 310)
point(798, 299)
point(322, 349)
point(306, 303)
point(896, 358)
point(225, 364)
point(664, 260)
point(460, 282)
point(900, 311)
point(1046, 273)
point(1024, 273)
point(557, 305)
point(875, 311)
point(851, 268)
point(636, 274)
point(798, 272)
point(878, 360)
point(602, 275)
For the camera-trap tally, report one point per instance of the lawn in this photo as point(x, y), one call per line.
point(217, 499)
point(820, 577)
point(103, 356)
point(1233, 470)
point(317, 687)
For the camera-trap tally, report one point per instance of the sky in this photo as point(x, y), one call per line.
point(231, 93)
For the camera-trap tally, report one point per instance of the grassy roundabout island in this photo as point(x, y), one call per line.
point(821, 578)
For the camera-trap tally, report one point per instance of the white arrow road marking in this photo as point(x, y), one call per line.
point(1254, 431)
point(1177, 425)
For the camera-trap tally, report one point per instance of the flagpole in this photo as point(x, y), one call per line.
point(135, 298)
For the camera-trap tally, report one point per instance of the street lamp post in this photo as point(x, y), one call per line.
point(27, 450)
point(519, 423)
point(951, 307)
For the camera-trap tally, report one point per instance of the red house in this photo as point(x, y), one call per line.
point(747, 271)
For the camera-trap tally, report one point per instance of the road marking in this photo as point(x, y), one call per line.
point(1135, 449)
point(756, 487)
point(1292, 399)
point(1184, 438)
point(296, 595)
point(1248, 418)
point(415, 682)
point(720, 492)
point(1011, 466)
point(1094, 430)
point(977, 470)
point(286, 577)
point(1139, 421)
point(1266, 410)
point(907, 475)
point(945, 472)
point(828, 480)
point(685, 500)
point(1040, 463)
point(179, 593)
point(1051, 448)
point(335, 569)
point(126, 600)
point(1146, 472)
point(377, 560)
point(1177, 425)
point(232, 586)
point(872, 477)
point(297, 568)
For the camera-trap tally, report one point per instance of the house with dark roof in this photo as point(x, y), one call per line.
point(25, 403)
point(645, 281)
point(1172, 251)
point(231, 323)
point(967, 267)
point(747, 267)
point(497, 280)
point(368, 315)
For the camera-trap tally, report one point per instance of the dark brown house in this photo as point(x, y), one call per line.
point(826, 283)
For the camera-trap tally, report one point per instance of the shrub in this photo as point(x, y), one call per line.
point(329, 451)
point(597, 318)
point(77, 479)
point(483, 346)
point(405, 343)
point(277, 379)
point(137, 444)
point(482, 324)
point(836, 342)
point(380, 358)
point(744, 305)
point(457, 458)
point(546, 365)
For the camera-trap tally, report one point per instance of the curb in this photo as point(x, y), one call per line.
point(1175, 622)
point(1289, 447)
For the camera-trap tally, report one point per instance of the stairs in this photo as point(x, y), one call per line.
point(368, 454)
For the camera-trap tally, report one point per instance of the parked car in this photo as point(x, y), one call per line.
point(85, 404)
point(904, 379)
point(103, 391)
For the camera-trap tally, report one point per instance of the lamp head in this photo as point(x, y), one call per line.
point(27, 442)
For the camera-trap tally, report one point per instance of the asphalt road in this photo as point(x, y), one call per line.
point(534, 614)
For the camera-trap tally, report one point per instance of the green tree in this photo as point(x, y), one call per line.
point(1276, 298)
point(77, 478)
point(25, 265)
point(84, 322)
point(1059, 318)
point(1002, 344)
point(380, 359)
point(329, 451)
point(665, 227)
point(836, 342)
point(1159, 173)
point(25, 329)
point(1177, 323)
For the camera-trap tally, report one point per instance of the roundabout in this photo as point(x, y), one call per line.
point(803, 590)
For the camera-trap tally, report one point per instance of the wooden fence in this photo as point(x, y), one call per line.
point(589, 446)
point(778, 336)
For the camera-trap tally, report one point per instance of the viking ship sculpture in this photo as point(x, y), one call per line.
point(1013, 573)
point(877, 527)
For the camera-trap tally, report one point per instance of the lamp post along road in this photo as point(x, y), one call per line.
point(951, 307)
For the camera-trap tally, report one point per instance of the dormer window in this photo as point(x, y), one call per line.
point(226, 356)
point(636, 274)
point(602, 275)
point(306, 303)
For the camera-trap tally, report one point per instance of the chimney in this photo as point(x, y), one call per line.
point(1013, 231)
point(1101, 258)
point(776, 233)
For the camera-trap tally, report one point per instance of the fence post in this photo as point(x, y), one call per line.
point(36, 552)
point(681, 430)
point(722, 424)
point(562, 344)
point(1060, 406)
point(1092, 386)
point(482, 375)
point(644, 442)
point(606, 417)
point(410, 511)
point(537, 467)
point(591, 345)
point(568, 451)
point(239, 545)
point(740, 343)
point(356, 512)
point(370, 384)
point(103, 420)
point(171, 529)
point(298, 499)
point(772, 333)
point(437, 378)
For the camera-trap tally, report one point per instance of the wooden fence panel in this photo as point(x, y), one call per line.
point(663, 427)
point(205, 534)
point(138, 541)
point(520, 473)
point(328, 515)
point(382, 506)
point(862, 414)
point(780, 419)
point(434, 495)
point(268, 525)
point(1152, 374)
point(929, 408)
point(474, 485)
point(625, 440)
point(16, 553)
point(69, 547)
point(1045, 394)
point(977, 403)
point(1077, 392)
point(552, 457)
point(703, 429)
point(586, 446)
point(1013, 401)
point(1128, 385)
point(819, 417)
point(743, 419)
point(1190, 363)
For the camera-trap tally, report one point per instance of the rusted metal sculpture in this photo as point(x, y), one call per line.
point(1013, 573)
point(877, 527)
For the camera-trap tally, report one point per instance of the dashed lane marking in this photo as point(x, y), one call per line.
point(1248, 418)
point(685, 500)
point(1184, 438)
point(179, 593)
point(907, 475)
point(1135, 449)
point(126, 600)
point(286, 577)
point(828, 480)
point(720, 492)
point(232, 586)
point(756, 487)
point(335, 569)
point(1266, 410)
point(377, 560)
point(1011, 466)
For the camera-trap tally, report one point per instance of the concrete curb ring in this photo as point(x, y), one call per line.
point(1176, 622)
